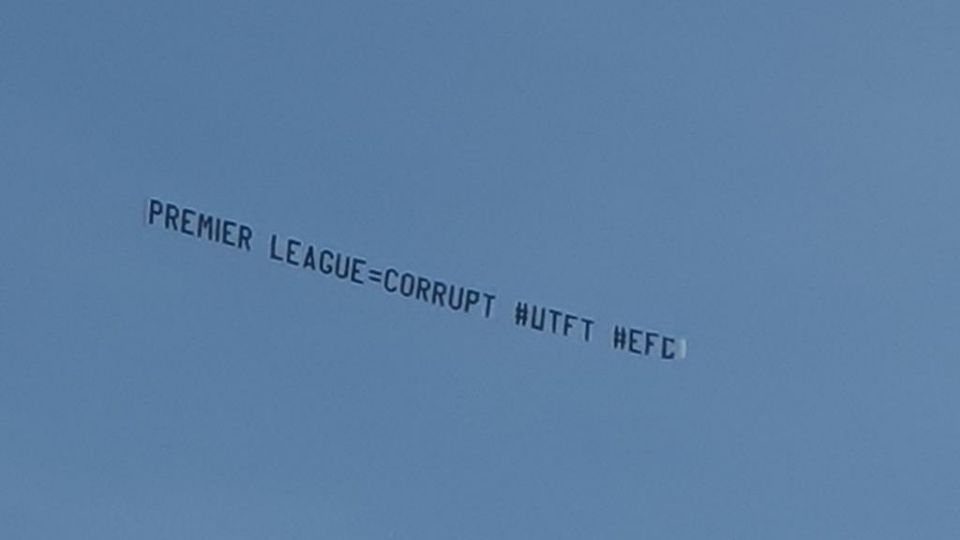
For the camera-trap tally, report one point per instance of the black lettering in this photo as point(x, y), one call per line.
point(650, 341)
point(358, 265)
point(533, 318)
point(634, 337)
point(473, 297)
point(456, 302)
point(246, 233)
point(156, 209)
point(308, 260)
point(228, 232)
point(587, 324)
point(342, 266)
point(520, 314)
point(663, 349)
point(325, 265)
point(407, 284)
point(423, 289)
point(489, 298)
point(439, 289)
point(568, 323)
point(619, 337)
point(273, 248)
point(205, 223)
point(170, 217)
point(386, 279)
point(185, 220)
point(292, 245)
point(554, 314)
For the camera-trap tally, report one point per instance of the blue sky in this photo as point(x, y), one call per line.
point(773, 182)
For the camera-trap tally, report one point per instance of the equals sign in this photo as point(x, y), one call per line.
point(375, 275)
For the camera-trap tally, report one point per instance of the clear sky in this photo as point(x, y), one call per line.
point(774, 181)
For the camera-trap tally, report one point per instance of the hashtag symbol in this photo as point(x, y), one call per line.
point(619, 337)
point(520, 314)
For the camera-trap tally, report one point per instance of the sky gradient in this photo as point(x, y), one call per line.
point(771, 182)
